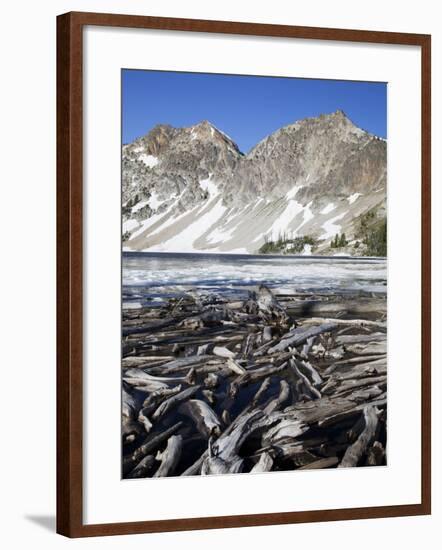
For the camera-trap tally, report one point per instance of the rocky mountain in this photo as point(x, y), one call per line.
point(192, 190)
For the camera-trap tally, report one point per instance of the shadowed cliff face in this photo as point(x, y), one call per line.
point(191, 189)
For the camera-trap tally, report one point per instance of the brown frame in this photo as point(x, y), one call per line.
point(70, 266)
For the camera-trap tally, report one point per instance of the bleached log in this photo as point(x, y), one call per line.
point(225, 417)
point(148, 386)
point(264, 464)
point(372, 348)
point(308, 387)
point(143, 468)
point(307, 347)
point(223, 454)
point(210, 396)
point(284, 429)
point(355, 451)
point(172, 402)
point(211, 380)
point(266, 334)
point(340, 322)
point(269, 306)
point(300, 335)
point(247, 345)
point(206, 421)
point(195, 468)
point(261, 391)
point(150, 444)
point(307, 368)
point(375, 454)
point(252, 376)
point(361, 338)
point(276, 403)
point(235, 367)
point(154, 399)
point(182, 364)
point(130, 427)
point(170, 456)
point(320, 464)
point(221, 351)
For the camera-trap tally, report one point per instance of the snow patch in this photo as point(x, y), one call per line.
point(209, 186)
point(292, 193)
point(329, 208)
point(331, 228)
point(154, 201)
point(130, 225)
point(139, 206)
point(307, 215)
point(183, 242)
point(352, 198)
point(149, 160)
point(282, 222)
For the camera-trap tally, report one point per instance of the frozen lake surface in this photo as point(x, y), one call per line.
point(148, 278)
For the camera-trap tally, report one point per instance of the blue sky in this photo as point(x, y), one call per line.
point(247, 108)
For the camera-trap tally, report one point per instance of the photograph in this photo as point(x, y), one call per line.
point(253, 274)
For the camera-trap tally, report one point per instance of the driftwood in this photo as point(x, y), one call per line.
point(264, 464)
point(150, 445)
point(300, 335)
point(143, 468)
point(354, 453)
point(223, 454)
point(201, 413)
point(167, 405)
point(170, 456)
point(215, 385)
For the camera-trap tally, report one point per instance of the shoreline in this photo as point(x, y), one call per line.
point(238, 255)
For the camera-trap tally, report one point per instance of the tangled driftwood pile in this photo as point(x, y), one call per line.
point(213, 386)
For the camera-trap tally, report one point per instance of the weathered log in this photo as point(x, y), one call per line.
point(195, 468)
point(182, 364)
point(276, 403)
point(355, 451)
point(267, 334)
point(206, 421)
point(211, 380)
point(375, 454)
point(235, 367)
point(170, 456)
point(130, 428)
point(143, 468)
point(172, 402)
point(151, 444)
point(247, 345)
point(221, 351)
point(352, 322)
point(284, 429)
point(261, 391)
point(300, 335)
point(309, 389)
point(307, 368)
point(264, 464)
point(252, 376)
point(210, 396)
point(372, 348)
point(361, 338)
point(320, 464)
point(223, 454)
point(154, 399)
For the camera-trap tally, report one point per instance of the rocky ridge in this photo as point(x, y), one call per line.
point(192, 190)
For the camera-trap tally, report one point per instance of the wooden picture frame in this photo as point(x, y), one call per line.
point(70, 272)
